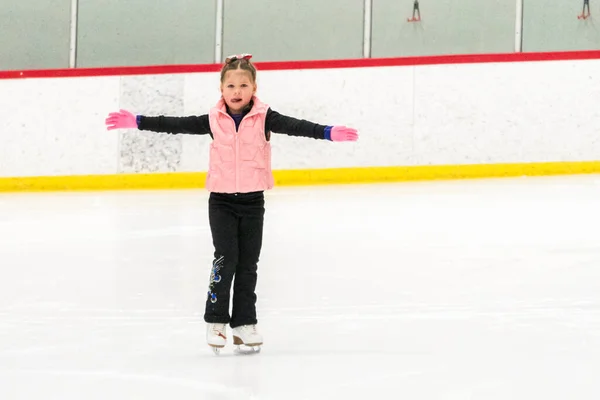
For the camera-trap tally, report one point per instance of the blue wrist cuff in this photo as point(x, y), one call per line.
point(138, 118)
point(328, 132)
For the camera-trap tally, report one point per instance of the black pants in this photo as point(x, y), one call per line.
point(236, 223)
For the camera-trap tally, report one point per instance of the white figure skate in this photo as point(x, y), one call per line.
point(216, 336)
point(247, 336)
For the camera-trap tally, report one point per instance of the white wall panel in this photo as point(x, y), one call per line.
point(56, 126)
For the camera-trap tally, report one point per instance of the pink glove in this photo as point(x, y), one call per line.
point(343, 134)
point(121, 120)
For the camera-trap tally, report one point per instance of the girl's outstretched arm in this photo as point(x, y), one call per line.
point(279, 123)
point(192, 125)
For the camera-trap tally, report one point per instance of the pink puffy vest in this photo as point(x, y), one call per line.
point(239, 162)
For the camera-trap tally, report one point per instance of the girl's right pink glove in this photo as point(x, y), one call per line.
point(121, 120)
point(343, 134)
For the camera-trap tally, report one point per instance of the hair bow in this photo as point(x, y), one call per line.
point(234, 57)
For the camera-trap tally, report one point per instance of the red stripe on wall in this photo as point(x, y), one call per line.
point(320, 64)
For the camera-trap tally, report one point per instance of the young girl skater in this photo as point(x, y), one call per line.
point(239, 172)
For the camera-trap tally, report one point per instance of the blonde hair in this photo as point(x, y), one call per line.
point(239, 62)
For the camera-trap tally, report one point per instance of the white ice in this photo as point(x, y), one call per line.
point(481, 289)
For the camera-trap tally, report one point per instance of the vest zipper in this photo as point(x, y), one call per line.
point(237, 156)
point(237, 162)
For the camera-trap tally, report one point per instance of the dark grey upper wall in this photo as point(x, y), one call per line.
point(35, 34)
point(145, 32)
point(553, 26)
point(294, 29)
point(446, 27)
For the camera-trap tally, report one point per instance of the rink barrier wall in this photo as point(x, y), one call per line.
point(471, 116)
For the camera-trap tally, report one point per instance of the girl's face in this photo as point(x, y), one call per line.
point(237, 89)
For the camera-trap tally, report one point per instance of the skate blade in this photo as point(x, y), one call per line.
point(246, 349)
point(239, 342)
point(216, 349)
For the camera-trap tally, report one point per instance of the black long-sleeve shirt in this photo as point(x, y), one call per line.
point(200, 125)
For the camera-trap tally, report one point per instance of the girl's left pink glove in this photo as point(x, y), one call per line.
point(343, 134)
point(121, 120)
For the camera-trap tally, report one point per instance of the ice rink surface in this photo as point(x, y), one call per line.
point(482, 289)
